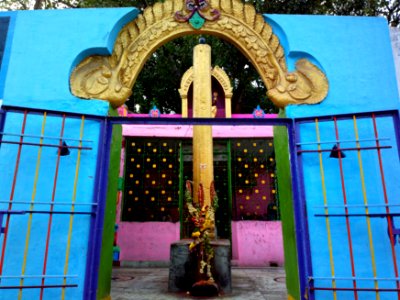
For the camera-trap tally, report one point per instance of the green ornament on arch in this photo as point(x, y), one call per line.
point(196, 21)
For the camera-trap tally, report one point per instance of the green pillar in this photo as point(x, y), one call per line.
point(106, 255)
point(281, 144)
point(181, 191)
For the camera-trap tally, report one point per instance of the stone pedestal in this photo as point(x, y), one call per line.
point(183, 265)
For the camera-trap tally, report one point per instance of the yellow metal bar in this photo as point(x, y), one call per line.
point(328, 227)
point(29, 226)
point(364, 190)
point(71, 217)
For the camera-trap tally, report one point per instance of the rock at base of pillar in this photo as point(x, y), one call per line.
point(183, 266)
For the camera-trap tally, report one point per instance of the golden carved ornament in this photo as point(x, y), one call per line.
point(112, 77)
point(218, 73)
point(186, 82)
point(223, 79)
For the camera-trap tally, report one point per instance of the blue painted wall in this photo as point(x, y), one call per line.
point(47, 45)
point(38, 189)
point(357, 170)
point(4, 23)
point(6, 33)
point(42, 48)
point(356, 55)
point(354, 52)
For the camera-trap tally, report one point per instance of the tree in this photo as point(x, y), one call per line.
point(159, 80)
point(57, 4)
point(36, 4)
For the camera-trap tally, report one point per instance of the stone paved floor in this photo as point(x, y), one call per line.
point(152, 284)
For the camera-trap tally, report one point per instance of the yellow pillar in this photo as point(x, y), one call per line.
point(203, 169)
point(184, 106)
point(228, 105)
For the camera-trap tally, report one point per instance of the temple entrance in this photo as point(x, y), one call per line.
point(112, 77)
point(242, 161)
point(340, 220)
point(154, 174)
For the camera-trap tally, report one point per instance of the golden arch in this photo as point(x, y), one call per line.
point(112, 77)
point(222, 78)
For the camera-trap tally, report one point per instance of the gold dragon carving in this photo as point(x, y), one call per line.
point(112, 77)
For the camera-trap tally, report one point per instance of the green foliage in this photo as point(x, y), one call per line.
point(37, 4)
point(387, 8)
point(160, 78)
point(117, 3)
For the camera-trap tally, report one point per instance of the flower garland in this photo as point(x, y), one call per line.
point(203, 218)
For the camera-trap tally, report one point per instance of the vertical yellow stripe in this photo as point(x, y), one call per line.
point(28, 233)
point(71, 218)
point(328, 227)
point(364, 190)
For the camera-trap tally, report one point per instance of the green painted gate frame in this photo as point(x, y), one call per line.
point(106, 255)
point(285, 190)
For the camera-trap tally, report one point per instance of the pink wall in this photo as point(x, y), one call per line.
point(186, 131)
point(148, 241)
point(234, 116)
point(254, 243)
point(257, 243)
